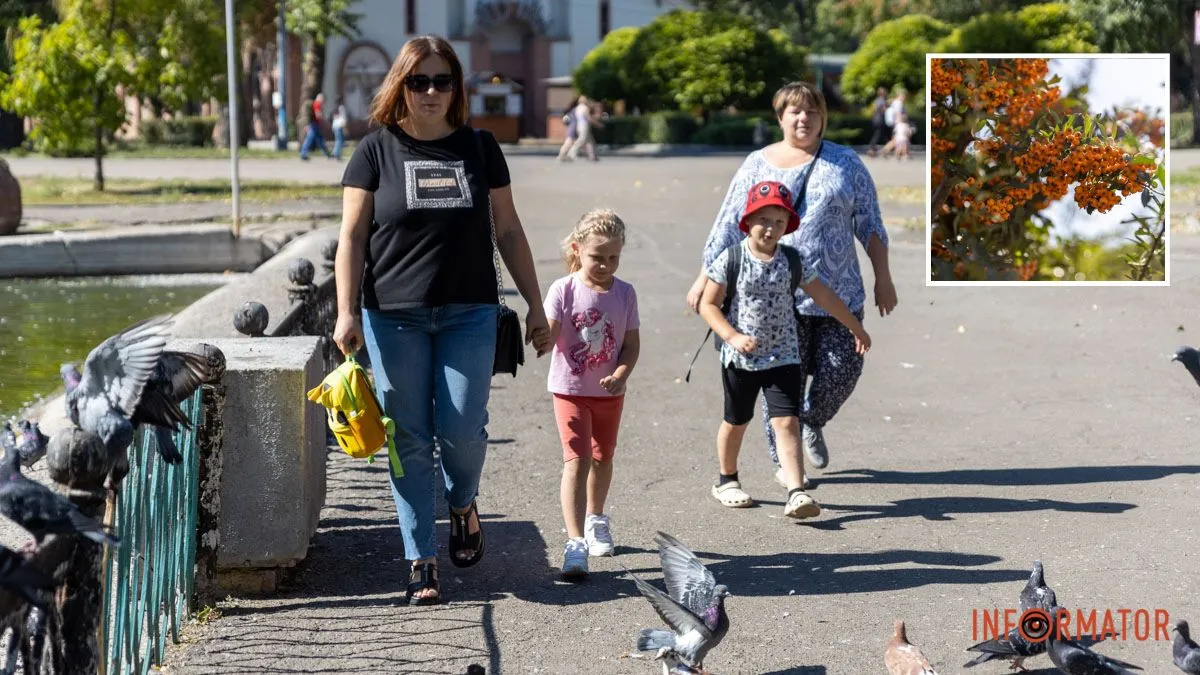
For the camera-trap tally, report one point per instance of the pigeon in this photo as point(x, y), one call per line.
point(1184, 650)
point(1073, 658)
point(22, 578)
point(40, 510)
point(176, 376)
point(1036, 593)
point(107, 394)
point(904, 658)
point(1190, 358)
point(31, 444)
point(693, 607)
point(1013, 647)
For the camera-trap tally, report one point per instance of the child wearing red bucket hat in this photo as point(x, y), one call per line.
point(751, 307)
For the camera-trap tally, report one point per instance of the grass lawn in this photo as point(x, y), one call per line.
point(50, 191)
point(137, 151)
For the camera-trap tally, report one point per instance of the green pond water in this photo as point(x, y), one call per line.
point(46, 322)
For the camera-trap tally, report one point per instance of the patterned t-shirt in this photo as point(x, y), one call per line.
point(761, 307)
point(841, 206)
point(593, 325)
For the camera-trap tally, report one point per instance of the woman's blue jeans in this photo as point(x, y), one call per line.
point(433, 373)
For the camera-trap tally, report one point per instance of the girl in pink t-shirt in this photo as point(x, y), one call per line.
point(594, 326)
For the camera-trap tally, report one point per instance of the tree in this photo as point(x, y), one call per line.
point(1006, 143)
point(67, 77)
point(892, 54)
point(316, 21)
point(1046, 28)
point(600, 76)
point(843, 25)
point(689, 60)
point(178, 50)
point(796, 18)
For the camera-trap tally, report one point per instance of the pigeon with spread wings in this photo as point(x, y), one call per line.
point(693, 607)
point(107, 394)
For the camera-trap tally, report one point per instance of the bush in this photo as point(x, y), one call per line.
point(671, 127)
point(196, 132)
point(736, 129)
point(1181, 130)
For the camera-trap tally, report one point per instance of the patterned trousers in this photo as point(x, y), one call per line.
point(827, 355)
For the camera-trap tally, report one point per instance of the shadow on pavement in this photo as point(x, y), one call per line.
point(940, 508)
point(1059, 475)
point(800, 670)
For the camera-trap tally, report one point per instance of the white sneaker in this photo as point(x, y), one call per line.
point(575, 560)
point(597, 535)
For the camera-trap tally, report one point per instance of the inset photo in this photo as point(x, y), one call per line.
point(1048, 169)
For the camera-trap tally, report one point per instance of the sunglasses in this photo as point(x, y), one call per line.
point(443, 82)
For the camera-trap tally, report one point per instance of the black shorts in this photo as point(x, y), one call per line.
point(782, 386)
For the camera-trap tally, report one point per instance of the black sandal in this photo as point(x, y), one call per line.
point(423, 576)
point(461, 540)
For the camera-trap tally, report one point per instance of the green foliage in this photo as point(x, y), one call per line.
point(1131, 26)
point(1045, 28)
point(195, 132)
point(66, 76)
point(671, 127)
point(892, 53)
point(690, 61)
point(1181, 130)
point(178, 50)
point(736, 129)
point(599, 75)
point(321, 19)
point(1080, 259)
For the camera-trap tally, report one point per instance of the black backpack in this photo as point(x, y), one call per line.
point(732, 265)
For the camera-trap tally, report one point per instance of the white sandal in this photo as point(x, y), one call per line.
point(800, 505)
point(732, 495)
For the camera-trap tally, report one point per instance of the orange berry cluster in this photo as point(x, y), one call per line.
point(943, 80)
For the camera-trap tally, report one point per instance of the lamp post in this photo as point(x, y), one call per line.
point(234, 118)
point(281, 140)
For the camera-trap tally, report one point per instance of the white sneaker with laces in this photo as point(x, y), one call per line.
point(597, 535)
point(575, 559)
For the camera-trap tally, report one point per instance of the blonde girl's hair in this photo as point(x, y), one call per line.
point(389, 106)
point(602, 222)
point(800, 93)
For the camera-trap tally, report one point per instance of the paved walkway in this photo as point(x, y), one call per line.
point(992, 426)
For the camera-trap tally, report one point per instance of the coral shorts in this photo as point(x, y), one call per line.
point(588, 425)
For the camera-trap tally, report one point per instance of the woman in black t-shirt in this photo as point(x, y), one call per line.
point(416, 232)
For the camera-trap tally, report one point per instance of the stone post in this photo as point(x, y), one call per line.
point(209, 438)
point(78, 460)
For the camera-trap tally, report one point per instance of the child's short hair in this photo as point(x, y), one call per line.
point(603, 222)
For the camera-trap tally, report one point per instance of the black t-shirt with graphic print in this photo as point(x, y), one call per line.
point(430, 242)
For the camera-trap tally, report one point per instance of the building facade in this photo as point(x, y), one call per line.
point(513, 51)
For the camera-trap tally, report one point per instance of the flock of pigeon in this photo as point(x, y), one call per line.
point(128, 380)
point(694, 609)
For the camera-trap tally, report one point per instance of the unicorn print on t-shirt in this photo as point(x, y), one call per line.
point(598, 342)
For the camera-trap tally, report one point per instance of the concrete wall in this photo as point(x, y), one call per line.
point(165, 249)
point(273, 454)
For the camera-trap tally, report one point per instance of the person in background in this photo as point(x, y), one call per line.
point(339, 131)
point(568, 119)
point(878, 119)
point(313, 137)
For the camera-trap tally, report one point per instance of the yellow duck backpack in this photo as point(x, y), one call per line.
point(355, 416)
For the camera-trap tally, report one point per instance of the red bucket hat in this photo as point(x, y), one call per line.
point(770, 193)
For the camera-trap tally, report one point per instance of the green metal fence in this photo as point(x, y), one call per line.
point(151, 574)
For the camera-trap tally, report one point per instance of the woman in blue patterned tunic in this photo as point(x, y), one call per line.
point(838, 205)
